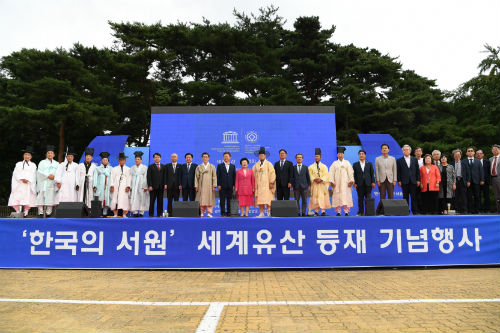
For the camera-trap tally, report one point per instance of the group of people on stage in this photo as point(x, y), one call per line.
point(431, 183)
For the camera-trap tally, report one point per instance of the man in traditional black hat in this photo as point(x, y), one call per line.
point(46, 184)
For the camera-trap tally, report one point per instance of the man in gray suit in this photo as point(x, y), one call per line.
point(386, 173)
point(495, 174)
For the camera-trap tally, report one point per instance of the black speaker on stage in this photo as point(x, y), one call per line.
point(284, 208)
point(395, 207)
point(96, 207)
point(186, 209)
point(71, 210)
point(370, 207)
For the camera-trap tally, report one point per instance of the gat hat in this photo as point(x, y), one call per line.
point(262, 150)
point(317, 151)
point(29, 149)
point(51, 148)
point(89, 151)
point(121, 155)
point(341, 150)
point(71, 151)
point(138, 153)
point(104, 154)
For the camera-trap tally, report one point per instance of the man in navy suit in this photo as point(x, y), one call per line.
point(186, 178)
point(156, 182)
point(301, 183)
point(364, 180)
point(462, 182)
point(409, 177)
point(485, 188)
point(226, 175)
point(172, 171)
point(284, 176)
point(476, 180)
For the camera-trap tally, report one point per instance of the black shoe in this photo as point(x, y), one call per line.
point(316, 214)
point(40, 216)
point(338, 214)
point(323, 214)
point(346, 214)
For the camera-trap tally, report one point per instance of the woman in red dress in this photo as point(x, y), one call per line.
point(245, 187)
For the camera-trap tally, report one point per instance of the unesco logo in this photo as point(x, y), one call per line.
point(251, 136)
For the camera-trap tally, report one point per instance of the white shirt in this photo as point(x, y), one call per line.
point(174, 165)
point(408, 160)
point(188, 166)
point(420, 162)
point(205, 165)
point(282, 162)
point(227, 167)
point(362, 165)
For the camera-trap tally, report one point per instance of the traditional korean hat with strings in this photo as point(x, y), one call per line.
point(262, 150)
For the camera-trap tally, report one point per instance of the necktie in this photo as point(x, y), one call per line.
point(281, 165)
point(173, 166)
point(300, 167)
point(189, 165)
point(470, 161)
point(494, 170)
point(158, 166)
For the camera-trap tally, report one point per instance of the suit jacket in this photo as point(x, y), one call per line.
point(226, 179)
point(155, 177)
point(492, 160)
point(465, 171)
point(361, 177)
point(186, 179)
point(171, 177)
point(476, 171)
point(487, 170)
point(283, 176)
point(430, 178)
point(301, 181)
point(408, 175)
point(391, 172)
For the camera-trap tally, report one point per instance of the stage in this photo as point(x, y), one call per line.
point(250, 243)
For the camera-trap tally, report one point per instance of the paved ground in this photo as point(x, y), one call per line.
point(161, 301)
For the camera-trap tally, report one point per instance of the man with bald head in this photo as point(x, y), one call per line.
point(172, 172)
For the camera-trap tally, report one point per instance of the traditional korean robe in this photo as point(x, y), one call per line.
point(139, 200)
point(23, 194)
point(264, 175)
point(102, 183)
point(341, 174)
point(205, 179)
point(320, 197)
point(66, 175)
point(120, 180)
point(86, 183)
point(46, 188)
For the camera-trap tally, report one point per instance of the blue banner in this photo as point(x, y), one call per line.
point(250, 243)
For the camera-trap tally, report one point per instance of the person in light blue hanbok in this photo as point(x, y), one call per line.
point(46, 184)
point(139, 200)
point(102, 182)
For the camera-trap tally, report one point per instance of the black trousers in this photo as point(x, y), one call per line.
point(301, 194)
point(282, 193)
point(225, 195)
point(410, 190)
point(474, 198)
point(461, 197)
point(364, 192)
point(420, 202)
point(485, 194)
point(156, 195)
point(188, 193)
point(431, 202)
point(172, 194)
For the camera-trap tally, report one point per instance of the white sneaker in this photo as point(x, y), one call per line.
point(268, 214)
point(115, 215)
point(260, 215)
point(125, 216)
point(209, 215)
point(201, 215)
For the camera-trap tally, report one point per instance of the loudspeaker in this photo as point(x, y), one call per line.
point(96, 207)
point(186, 209)
point(71, 210)
point(395, 207)
point(370, 207)
point(284, 208)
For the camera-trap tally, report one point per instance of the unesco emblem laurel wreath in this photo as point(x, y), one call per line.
point(251, 136)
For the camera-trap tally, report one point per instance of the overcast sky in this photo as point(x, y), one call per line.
point(439, 39)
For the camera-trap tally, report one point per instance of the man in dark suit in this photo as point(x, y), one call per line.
point(301, 184)
point(462, 183)
point(476, 180)
point(172, 171)
point(226, 175)
point(284, 176)
point(156, 182)
point(409, 177)
point(186, 178)
point(364, 180)
point(485, 188)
